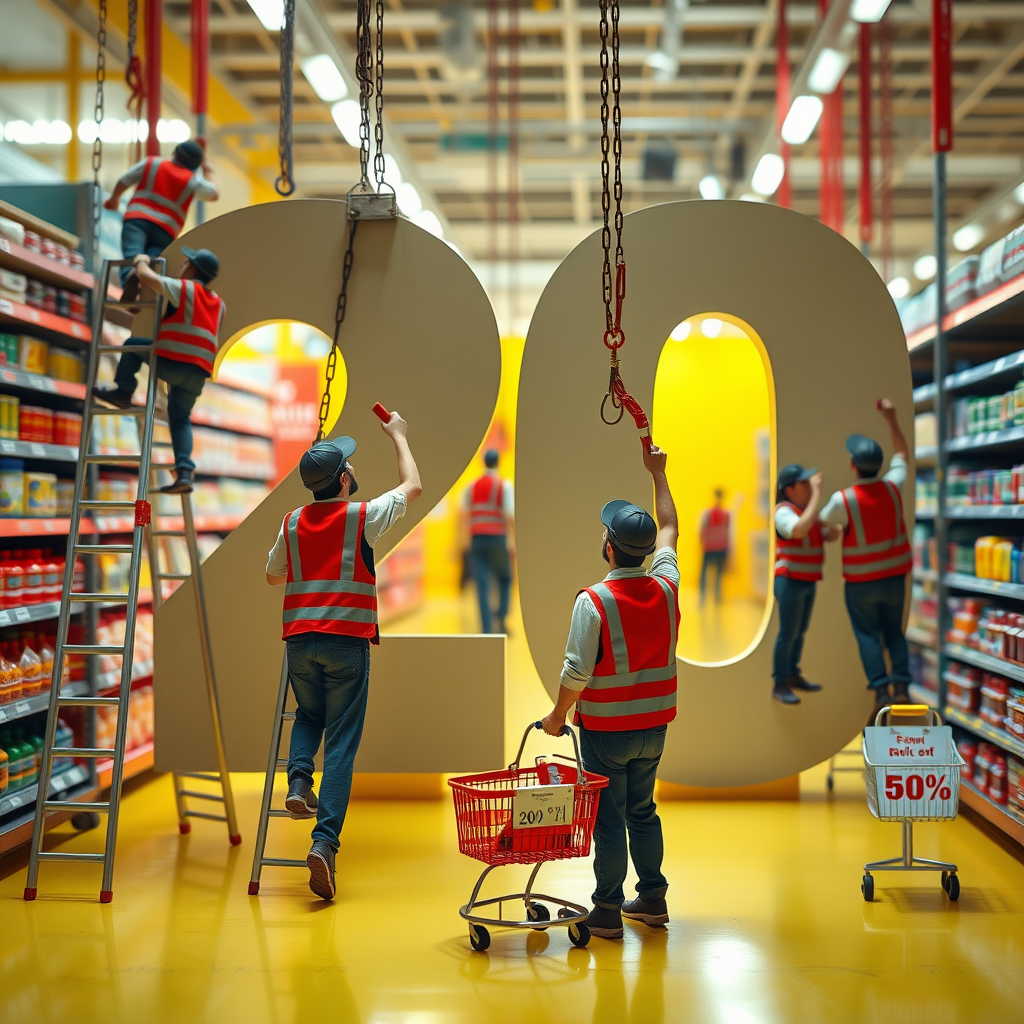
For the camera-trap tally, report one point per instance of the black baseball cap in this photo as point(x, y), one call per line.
point(204, 261)
point(794, 473)
point(630, 528)
point(866, 453)
point(325, 462)
point(189, 154)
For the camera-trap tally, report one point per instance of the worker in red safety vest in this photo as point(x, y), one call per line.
point(488, 510)
point(186, 347)
point(323, 557)
point(164, 190)
point(876, 558)
point(715, 527)
point(620, 672)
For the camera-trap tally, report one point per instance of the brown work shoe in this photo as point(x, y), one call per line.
point(651, 912)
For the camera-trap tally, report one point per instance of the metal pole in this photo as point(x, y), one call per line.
point(154, 28)
point(864, 75)
point(784, 195)
point(200, 40)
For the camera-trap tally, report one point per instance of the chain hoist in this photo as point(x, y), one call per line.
point(285, 183)
point(97, 143)
point(134, 80)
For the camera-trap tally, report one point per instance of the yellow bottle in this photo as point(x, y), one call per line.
point(983, 557)
point(1001, 560)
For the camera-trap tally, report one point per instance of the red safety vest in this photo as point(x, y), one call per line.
point(189, 334)
point(331, 586)
point(486, 517)
point(163, 196)
point(714, 536)
point(801, 559)
point(875, 543)
point(634, 680)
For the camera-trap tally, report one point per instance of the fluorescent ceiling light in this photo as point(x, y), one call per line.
point(752, 197)
point(925, 267)
point(899, 287)
point(409, 201)
point(681, 331)
point(711, 188)
point(968, 237)
point(662, 63)
point(347, 116)
point(711, 327)
point(869, 10)
point(270, 13)
point(38, 133)
point(323, 75)
point(171, 131)
point(828, 70)
point(767, 176)
point(801, 120)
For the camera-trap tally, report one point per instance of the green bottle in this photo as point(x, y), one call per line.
point(35, 742)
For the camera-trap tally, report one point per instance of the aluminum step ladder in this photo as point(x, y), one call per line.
point(275, 764)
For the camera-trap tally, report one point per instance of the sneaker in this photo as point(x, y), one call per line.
point(605, 922)
point(784, 695)
point(651, 912)
point(320, 861)
point(799, 683)
point(182, 485)
point(301, 800)
point(901, 694)
point(112, 395)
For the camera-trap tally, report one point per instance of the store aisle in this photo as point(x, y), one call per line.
point(768, 926)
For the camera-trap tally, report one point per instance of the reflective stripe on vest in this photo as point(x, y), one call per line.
point(875, 544)
point(189, 334)
point(330, 588)
point(801, 559)
point(163, 196)
point(715, 534)
point(619, 697)
point(486, 515)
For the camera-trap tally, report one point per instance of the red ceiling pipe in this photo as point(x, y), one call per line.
point(864, 71)
point(784, 195)
point(942, 75)
point(154, 28)
point(200, 41)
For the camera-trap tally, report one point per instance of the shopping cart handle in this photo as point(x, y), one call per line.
point(564, 731)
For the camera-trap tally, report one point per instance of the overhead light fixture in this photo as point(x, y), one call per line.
point(899, 287)
point(711, 188)
point(768, 174)
point(347, 116)
point(323, 75)
point(663, 64)
point(681, 331)
point(409, 201)
point(1018, 193)
point(801, 120)
point(968, 237)
point(925, 267)
point(711, 327)
point(38, 133)
point(869, 11)
point(270, 13)
point(427, 220)
point(752, 197)
point(828, 70)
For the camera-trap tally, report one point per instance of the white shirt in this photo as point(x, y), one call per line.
point(198, 185)
point(585, 628)
point(785, 520)
point(834, 513)
point(508, 500)
point(381, 514)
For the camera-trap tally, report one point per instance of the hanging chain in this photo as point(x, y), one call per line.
point(285, 184)
point(378, 157)
point(134, 80)
point(364, 75)
point(97, 145)
point(339, 319)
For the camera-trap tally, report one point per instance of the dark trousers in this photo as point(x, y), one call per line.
point(330, 677)
point(876, 613)
point(716, 560)
point(795, 599)
point(489, 557)
point(184, 385)
point(142, 236)
point(630, 761)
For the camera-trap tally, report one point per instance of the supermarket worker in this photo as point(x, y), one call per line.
point(164, 190)
point(186, 347)
point(876, 558)
point(324, 559)
point(620, 666)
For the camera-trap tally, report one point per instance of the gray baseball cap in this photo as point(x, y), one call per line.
point(866, 453)
point(630, 528)
point(325, 461)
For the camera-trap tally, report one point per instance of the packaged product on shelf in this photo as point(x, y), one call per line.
point(990, 267)
point(12, 487)
point(961, 283)
point(140, 720)
point(12, 285)
point(1013, 254)
point(41, 495)
point(32, 680)
point(997, 788)
point(926, 496)
point(10, 682)
point(115, 434)
point(64, 365)
point(63, 738)
point(67, 428)
point(968, 748)
point(35, 294)
point(32, 354)
point(4, 778)
point(925, 430)
point(12, 230)
point(992, 705)
point(50, 298)
point(8, 349)
point(65, 496)
point(118, 487)
point(35, 424)
point(9, 419)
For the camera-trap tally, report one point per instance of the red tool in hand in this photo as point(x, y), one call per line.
point(381, 413)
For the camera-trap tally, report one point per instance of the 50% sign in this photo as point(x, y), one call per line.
point(917, 787)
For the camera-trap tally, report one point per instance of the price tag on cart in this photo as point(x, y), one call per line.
point(542, 806)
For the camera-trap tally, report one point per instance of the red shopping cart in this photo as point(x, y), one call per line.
point(527, 816)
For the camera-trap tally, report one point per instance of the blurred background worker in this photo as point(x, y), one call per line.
point(715, 526)
point(164, 190)
point(488, 509)
point(876, 558)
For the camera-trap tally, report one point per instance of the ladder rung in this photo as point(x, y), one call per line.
point(76, 805)
point(274, 813)
point(81, 752)
point(201, 796)
point(203, 814)
point(86, 702)
point(92, 649)
point(282, 764)
point(278, 862)
point(100, 505)
point(104, 549)
point(112, 410)
point(167, 533)
point(122, 348)
point(173, 575)
point(99, 598)
point(198, 775)
point(114, 459)
point(133, 304)
point(288, 716)
point(54, 855)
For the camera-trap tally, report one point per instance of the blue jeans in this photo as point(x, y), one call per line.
point(330, 677)
point(185, 383)
point(876, 613)
point(489, 556)
point(717, 560)
point(630, 760)
point(142, 236)
point(795, 599)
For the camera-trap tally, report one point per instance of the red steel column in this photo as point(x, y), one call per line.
point(200, 41)
point(942, 75)
point(864, 71)
point(784, 195)
point(154, 28)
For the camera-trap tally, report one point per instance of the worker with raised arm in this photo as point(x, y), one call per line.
point(186, 347)
point(620, 673)
point(323, 557)
point(876, 558)
point(164, 190)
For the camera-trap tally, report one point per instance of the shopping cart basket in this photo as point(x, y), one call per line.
point(912, 774)
point(527, 816)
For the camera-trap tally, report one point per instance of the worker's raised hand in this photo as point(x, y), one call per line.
point(396, 426)
point(887, 408)
point(111, 203)
point(655, 460)
point(815, 483)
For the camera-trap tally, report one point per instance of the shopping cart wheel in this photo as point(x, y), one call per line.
point(538, 912)
point(867, 886)
point(84, 821)
point(479, 937)
point(579, 934)
point(952, 887)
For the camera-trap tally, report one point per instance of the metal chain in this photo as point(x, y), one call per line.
point(285, 184)
point(606, 199)
point(97, 145)
point(339, 319)
point(364, 75)
point(378, 157)
point(134, 81)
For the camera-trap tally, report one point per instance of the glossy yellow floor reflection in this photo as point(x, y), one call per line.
point(716, 632)
point(768, 927)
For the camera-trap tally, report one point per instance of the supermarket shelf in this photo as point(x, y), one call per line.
point(59, 328)
point(206, 418)
point(921, 337)
point(978, 725)
point(924, 396)
point(37, 450)
point(961, 581)
point(985, 512)
point(986, 661)
point(992, 812)
point(925, 513)
point(923, 637)
point(926, 453)
point(143, 671)
point(41, 612)
point(1010, 365)
point(33, 264)
point(1008, 294)
point(38, 225)
point(135, 762)
point(60, 783)
point(33, 705)
point(923, 695)
point(36, 382)
point(985, 439)
point(111, 524)
point(241, 384)
point(926, 575)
